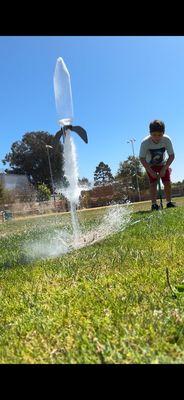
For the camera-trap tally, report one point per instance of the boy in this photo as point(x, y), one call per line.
point(152, 157)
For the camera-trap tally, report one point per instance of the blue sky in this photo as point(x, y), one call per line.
point(119, 84)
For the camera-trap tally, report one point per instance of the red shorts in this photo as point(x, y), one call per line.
point(157, 168)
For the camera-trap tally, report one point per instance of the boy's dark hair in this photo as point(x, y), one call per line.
point(157, 126)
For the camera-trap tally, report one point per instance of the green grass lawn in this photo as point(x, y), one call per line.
point(105, 303)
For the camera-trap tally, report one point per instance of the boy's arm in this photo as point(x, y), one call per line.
point(169, 160)
point(145, 164)
point(170, 152)
point(142, 156)
point(147, 167)
point(167, 164)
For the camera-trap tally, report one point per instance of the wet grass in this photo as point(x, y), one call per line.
point(106, 303)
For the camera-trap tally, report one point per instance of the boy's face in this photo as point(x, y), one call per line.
point(156, 136)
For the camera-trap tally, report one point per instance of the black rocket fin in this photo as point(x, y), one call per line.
point(80, 131)
point(58, 135)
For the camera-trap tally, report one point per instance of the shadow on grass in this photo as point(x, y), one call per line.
point(21, 260)
point(147, 212)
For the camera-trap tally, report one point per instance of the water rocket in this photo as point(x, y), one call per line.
point(64, 104)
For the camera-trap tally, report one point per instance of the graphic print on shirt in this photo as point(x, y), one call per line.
point(157, 156)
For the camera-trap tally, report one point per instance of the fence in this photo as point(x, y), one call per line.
point(21, 209)
point(98, 196)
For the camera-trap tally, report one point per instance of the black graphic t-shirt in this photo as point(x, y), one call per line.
point(155, 153)
point(157, 156)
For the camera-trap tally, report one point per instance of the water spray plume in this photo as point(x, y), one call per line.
point(62, 241)
point(64, 106)
point(114, 220)
point(72, 192)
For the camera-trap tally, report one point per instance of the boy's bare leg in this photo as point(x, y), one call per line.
point(167, 189)
point(153, 192)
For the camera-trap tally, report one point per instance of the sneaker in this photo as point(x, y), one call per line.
point(154, 207)
point(170, 204)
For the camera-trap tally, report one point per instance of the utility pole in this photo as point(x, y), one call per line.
point(136, 174)
point(50, 147)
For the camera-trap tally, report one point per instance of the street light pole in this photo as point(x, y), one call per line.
point(138, 190)
point(50, 147)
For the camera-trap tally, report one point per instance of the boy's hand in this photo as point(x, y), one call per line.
point(152, 173)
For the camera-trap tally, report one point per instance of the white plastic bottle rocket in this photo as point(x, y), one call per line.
point(64, 103)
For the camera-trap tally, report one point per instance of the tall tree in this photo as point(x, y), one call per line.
point(84, 182)
point(29, 156)
point(127, 172)
point(102, 175)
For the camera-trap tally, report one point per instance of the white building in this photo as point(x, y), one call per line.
point(13, 181)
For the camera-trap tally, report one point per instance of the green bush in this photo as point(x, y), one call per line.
point(43, 192)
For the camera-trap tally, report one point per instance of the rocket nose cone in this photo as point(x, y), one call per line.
point(60, 60)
